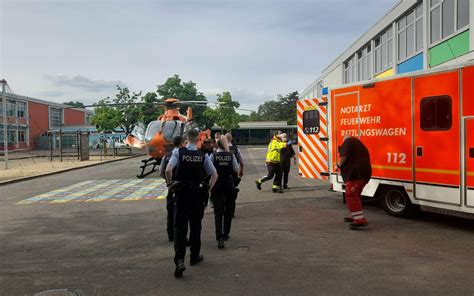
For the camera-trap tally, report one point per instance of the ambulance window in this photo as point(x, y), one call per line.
point(436, 113)
point(311, 122)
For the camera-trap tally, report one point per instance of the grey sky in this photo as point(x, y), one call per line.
point(79, 50)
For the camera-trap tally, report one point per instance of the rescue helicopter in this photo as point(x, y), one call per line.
point(157, 137)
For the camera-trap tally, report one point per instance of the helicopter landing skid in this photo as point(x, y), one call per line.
point(148, 162)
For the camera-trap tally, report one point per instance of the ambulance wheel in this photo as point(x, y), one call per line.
point(396, 202)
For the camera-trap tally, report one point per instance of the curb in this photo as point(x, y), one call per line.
point(65, 170)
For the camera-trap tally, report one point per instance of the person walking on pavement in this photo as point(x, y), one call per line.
point(356, 171)
point(178, 142)
point(273, 164)
point(286, 155)
point(240, 160)
point(223, 193)
point(193, 166)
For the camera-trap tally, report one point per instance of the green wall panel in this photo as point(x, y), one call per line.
point(449, 49)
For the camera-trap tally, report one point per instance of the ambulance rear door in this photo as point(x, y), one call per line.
point(312, 138)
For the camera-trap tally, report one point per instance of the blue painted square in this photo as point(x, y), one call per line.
point(410, 65)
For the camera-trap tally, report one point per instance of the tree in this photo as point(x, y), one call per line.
point(105, 117)
point(288, 103)
point(150, 110)
point(224, 115)
point(270, 111)
point(174, 87)
point(75, 104)
point(281, 108)
point(125, 115)
point(244, 117)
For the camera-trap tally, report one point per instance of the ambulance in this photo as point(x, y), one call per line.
point(419, 130)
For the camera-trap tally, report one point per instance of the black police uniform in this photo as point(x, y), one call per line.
point(190, 196)
point(223, 194)
point(235, 150)
point(170, 203)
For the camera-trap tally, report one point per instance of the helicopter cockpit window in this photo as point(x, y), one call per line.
point(171, 129)
point(153, 128)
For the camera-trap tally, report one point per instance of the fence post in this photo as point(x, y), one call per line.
point(60, 145)
point(50, 134)
point(113, 147)
point(78, 138)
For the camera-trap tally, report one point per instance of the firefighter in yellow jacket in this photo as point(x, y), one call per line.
point(273, 164)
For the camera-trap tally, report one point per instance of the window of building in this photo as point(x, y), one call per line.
point(88, 118)
point(410, 33)
point(11, 108)
point(21, 110)
point(364, 64)
point(436, 113)
point(21, 136)
point(383, 51)
point(447, 17)
point(349, 71)
point(55, 117)
point(11, 134)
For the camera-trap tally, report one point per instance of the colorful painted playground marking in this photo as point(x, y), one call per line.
point(104, 190)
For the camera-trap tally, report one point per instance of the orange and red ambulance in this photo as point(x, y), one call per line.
point(419, 129)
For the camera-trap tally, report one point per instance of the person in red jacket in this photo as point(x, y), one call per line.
point(356, 170)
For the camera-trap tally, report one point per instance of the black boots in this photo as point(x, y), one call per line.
point(180, 268)
point(195, 261)
point(221, 244)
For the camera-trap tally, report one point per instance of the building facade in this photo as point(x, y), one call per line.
point(29, 118)
point(412, 36)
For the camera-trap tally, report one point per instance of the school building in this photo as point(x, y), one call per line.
point(29, 118)
point(412, 36)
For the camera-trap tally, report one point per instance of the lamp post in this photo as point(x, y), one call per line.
point(4, 115)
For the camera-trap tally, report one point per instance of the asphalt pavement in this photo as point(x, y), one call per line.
point(102, 231)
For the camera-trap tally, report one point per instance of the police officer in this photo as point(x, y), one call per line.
point(223, 194)
point(178, 141)
point(191, 194)
point(240, 160)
